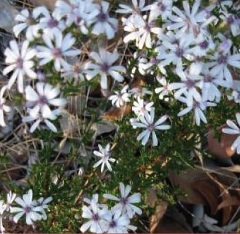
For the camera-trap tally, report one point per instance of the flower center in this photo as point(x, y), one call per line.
point(52, 23)
point(189, 83)
point(124, 200)
point(102, 17)
point(57, 53)
point(27, 209)
point(179, 52)
point(113, 224)
point(222, 59)
point(95, 217)
point(204, 44)
point(208, 78)
point(42, 100)
point(19, 63)
point(105, 67)
point(230, 19)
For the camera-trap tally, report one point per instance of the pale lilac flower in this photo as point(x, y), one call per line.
point(147, 28)
point(28, 207)
point(10, 199)
point(43, 99)
point(38, 118)
point(43, 202)
point(188, 21)
point(198, 108)
point(210, 83)
point(202, 46)
point(147, 122)
point(48, 23)
point(137, 7)
point(139, 92)
point(222, 60)
point(234, 129)
point(81, 13)
point(105, 155)
point(125, 201)
point(58, 48)
point(19, 59)
point(26, 21)
point(140, 107)
point(235, 94)
point(164, 90)
point(103, 23)
point(175, 51)
point(96, 217)
point(118, 222)
point(162, 8)
point(3, 208)
point(104, 67)
point(75, 72)
point(189, 85)
point(120, 97)
point(3, 107)
point(232, 20)
point(132, 25)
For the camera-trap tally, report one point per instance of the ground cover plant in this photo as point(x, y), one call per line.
point(120, 116)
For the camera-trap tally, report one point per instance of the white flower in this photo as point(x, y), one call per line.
point(29, 208)
point(26, 21)
point(164, 89)
point(137, 8)
point(44, 204)
point(140, 107)
point(19, 60)
point(189, 21)
point(39, 118)
point(189, 85)
point(125, 201)
point(57, 49)
point(3, 208)
point(48, 23)
point(3, 107)
point(43, 99)
point(222, 59)
point(234, 129)
point(120, 98)
point(96, 215)
point(104, 154)
point(10, 198)
point(103, 24)
point(197, 107)
point(104, 67)
point(162, 8)
point(118, 222)
point(147, 122)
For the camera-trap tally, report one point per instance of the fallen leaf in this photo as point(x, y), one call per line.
point(173, 222)
point(184, 181)
point(209, 191)
point(116, 113)
point(222, 148)
point(155, 219)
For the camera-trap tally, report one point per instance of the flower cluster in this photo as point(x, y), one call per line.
point(115, 220)
point(33, 210)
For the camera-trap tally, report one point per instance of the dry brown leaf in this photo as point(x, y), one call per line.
point(156, 218)
point(184, 181)
point(209, 191)
point(48, 3)
point(116, 113)
point(229, 201)
point(220, 149)
point(173, 222)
